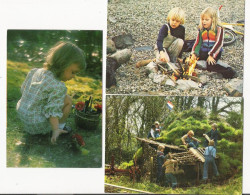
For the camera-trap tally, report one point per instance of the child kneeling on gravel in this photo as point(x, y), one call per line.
point(171, 37)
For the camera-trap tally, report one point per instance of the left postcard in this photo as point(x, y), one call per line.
point(54, 98)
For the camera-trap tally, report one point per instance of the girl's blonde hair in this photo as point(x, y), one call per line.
point(212, 13)
point(62, 55)
point(178, 14)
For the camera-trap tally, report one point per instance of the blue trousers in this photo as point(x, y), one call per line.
point(209, 159)
point(193, 144)
point(170, 179)
point(159, 173)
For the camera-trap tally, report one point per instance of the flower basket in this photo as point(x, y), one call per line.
point(88, 121)
point(85, 117)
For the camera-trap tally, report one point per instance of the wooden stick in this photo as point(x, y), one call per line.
point(131, 189)
point(166, 71)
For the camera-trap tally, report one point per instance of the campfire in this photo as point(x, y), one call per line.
point(185, 69)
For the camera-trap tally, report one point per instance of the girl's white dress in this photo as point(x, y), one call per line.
point(42, 97)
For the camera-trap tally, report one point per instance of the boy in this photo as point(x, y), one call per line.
point(160, 162)
point(210, 154)
point(151, 134)
point(189, 141)
point(213, 135)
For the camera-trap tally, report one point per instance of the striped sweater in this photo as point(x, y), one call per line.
point(209, 41)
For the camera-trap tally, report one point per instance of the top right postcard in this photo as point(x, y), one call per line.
point(175, 47)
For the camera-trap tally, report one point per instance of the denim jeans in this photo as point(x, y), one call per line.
point(209, 159)
point(193, 144)
point(170, 179)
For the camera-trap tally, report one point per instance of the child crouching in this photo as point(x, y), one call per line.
point(45, 105)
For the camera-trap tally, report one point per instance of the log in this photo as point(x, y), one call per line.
point(158, 143)
point(143, 63)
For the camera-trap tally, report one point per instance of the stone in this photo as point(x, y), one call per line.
point(110, 46)
point(122, 56)
point(234, 87)
point(123, 41)
point(152, 67)
point(151, 75)
point(221, 63)
point(186, 84)
point(203, 79)
point(111, 66)
point(201, 64)
point(158, 78)
point(112, 19)
point(170, 82)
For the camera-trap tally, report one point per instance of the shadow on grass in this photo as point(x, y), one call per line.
point(25, 150)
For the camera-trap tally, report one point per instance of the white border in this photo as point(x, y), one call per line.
point(84, 15)
point(47, 14)
point(246, 94)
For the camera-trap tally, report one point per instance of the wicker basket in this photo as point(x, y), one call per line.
point(88, 121)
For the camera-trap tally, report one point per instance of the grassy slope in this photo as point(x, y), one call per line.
point(233, 187)
point(24, 150)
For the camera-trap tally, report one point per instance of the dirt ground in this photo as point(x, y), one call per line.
point(143, 20)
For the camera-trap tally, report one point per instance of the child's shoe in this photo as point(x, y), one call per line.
point(67, 128)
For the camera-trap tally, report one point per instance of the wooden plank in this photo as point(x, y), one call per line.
point(197, 154)
point(158, 143)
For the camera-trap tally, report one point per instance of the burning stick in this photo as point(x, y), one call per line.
point(166, 71)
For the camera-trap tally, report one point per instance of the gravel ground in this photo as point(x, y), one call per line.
point(143, 19)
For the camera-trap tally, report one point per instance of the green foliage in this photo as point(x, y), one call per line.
point(197, 113)
point(233, 186)
point(138, 154)
point(180, 127)
point(235, 119)
point(32, 46)
point(126, 165)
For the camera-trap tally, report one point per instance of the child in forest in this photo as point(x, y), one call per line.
point(171, 168)
point(212, 134)
point(45, 105)
point(189, 140)
point(157, 129)
point(208, 44)
point(160, 162)
point(210, 154)
point(151, 134)
point(171, 37)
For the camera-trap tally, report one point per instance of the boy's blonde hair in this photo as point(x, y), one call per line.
point(178, 14)
point(214, 125)
point(211, 143)
point(160, 147)
point(61, 56)
point(191, 133)
point(212, 13)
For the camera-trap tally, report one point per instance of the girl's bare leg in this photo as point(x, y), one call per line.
point(66, 108)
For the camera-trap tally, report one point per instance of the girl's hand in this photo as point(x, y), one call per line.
point(55, 135)
point(211, 60)
point(163, 57)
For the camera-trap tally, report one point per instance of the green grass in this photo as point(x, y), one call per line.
point(24, 150)
point(232, 187)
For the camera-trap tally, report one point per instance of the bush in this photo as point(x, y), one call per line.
point(235, 120)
